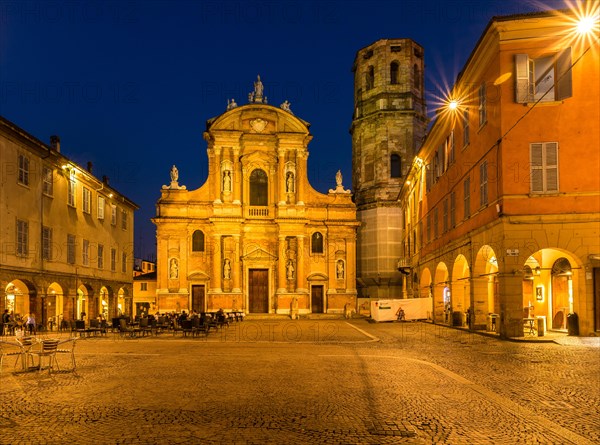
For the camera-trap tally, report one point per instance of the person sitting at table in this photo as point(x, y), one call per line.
point(182, 317)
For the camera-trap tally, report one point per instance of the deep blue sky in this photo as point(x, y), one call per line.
point(130, 85)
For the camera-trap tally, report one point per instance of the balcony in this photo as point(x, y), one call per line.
point(257, 212)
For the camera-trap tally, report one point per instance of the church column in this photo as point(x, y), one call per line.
point(300, 269)
point(281, 266)
point(217, 272)
point(281, 177)
point(301, 176)
point(236, 269)
point(351, 263)
point(216, 179)
point(237, 177)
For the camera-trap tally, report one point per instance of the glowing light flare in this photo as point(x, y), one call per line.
point(582, 22)
point(586, 24)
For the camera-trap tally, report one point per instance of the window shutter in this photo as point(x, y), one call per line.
point(551, 164)
point(521, 78)
point(564, 86)
point(537, 166)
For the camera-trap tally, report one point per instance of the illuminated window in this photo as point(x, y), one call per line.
point(101, 204)
point(22, 238)
point(48, 181)
point(259, 188)
point(86, 197)
point(23, 174)
point(113, 214)
point(71, 187)
point(545, 78)
point(317, 243)
point(544, 167)
point(198, 241)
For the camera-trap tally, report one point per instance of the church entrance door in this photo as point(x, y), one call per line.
point(316, 297)
point(258, 290)
point(198, 298)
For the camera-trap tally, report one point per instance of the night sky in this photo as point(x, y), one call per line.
point(129, 85)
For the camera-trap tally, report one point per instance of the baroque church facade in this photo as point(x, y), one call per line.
point(256, 237)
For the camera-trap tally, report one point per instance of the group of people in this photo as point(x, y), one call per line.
point(11, 323)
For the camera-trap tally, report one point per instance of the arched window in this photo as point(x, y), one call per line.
point(416, 77)
point(394, 68)
point(198, 241)
point(395, 166)
point(370, 78)
point(316, 245)
point(259, 188)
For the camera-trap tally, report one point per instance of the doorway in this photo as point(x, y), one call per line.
point(198, 298)
point(258, 290)
point(316, 299)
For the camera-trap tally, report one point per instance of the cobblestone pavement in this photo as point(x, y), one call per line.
point(310, 382)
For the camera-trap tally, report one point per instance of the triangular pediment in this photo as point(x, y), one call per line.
point(259, 254)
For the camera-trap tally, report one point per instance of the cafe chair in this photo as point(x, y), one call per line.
point(64, 349)
point(47, 350)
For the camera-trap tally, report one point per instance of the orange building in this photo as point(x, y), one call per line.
point(502, 203)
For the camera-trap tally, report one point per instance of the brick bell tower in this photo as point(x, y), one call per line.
point(388, 125)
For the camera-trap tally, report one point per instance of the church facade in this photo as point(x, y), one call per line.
point(256, 237)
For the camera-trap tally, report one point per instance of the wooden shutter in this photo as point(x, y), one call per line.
point(537, 168)
point(522, 78)
point(551, 166)
point(564, 87)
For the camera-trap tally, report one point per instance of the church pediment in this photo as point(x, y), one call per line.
point(259, 254)
point(198, 275)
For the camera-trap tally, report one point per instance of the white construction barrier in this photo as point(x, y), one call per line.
point(414, 309)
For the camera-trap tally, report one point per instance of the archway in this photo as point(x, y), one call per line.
point(426, 287)
point(442, 303)
point(52, 306)
point(20, 298)
point(461, 286)
point(485, 286)
point(104, 303)
point(81, 305)
point(562, 292)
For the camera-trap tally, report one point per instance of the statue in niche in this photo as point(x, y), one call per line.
point(174, 174)
point(227, 269)
point(339, 270)
point(173, 269)
point(289, 182)
point(226, 181)
point(290, 271)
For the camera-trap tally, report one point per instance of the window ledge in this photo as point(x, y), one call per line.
point(548, 103)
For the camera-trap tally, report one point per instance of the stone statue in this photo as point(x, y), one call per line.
point(285, 106)
point(290, 270)
point(258, 87)
point(289, 182)
point(226, 181)
point(173, 269)
point(232, 104)
point(338, 178)
point(174, 174)
point(340, 269)
point(227, 269)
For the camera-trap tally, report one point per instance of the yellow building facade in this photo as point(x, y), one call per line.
point(256, 236)
point(502, 203)
point(66, 237)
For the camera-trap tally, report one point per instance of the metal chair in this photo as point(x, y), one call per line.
point(62, 350)
point(47, 349)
